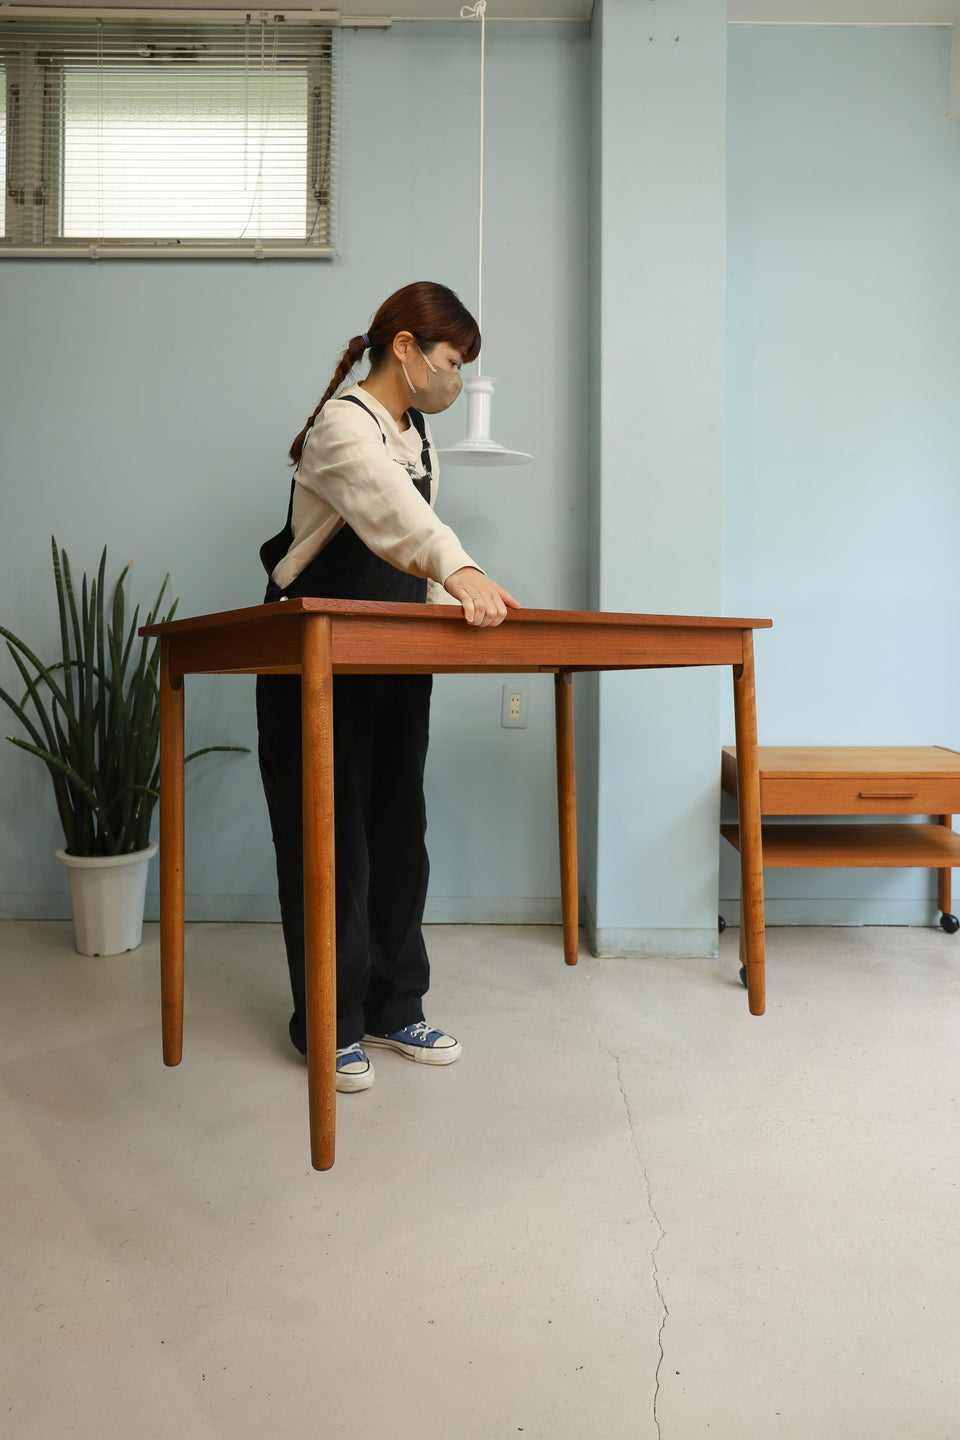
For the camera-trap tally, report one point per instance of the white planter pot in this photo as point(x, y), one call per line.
point(107, 893)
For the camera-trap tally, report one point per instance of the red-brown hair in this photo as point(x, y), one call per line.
point(430, 312)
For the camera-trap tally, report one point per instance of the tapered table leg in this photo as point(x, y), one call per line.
point(751, 841)
point(171, 858)
point(320, 943)
point(567, 816)
point(944, 877)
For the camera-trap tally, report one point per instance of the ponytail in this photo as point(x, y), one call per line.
point(350, 357)
point(430, 312)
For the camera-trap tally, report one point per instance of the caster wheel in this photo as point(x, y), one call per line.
point(743, 976)
point(950, 924)
point(721, 924)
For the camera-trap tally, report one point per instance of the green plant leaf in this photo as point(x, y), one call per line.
point(101, 658)
point(62, 610)
point(70, 811)
point(88, 713)
point(15, 643)
point(75, 623)
point(54, 762)
point(22, 716)
point(209, 750)
point(33, 693)
point(96, 725)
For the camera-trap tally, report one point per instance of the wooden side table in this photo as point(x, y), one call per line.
point(860, 780)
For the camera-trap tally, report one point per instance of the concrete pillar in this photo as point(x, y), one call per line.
point(655, 355)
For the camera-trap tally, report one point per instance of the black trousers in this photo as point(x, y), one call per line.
point(380, 729)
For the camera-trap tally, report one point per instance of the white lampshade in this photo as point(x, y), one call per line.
point(478, 448)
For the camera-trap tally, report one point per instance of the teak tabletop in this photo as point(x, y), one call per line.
point(320, 638)
point(877, 760)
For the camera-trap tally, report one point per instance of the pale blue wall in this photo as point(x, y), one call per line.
point(842, 508)
point(150, 405)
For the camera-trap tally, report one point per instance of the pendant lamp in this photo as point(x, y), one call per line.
point(478, 448)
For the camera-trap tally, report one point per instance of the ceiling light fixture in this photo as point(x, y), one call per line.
point(478, 448)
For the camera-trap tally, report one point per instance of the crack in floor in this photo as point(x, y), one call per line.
point(661, 1233)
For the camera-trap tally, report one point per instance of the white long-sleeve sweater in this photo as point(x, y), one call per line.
point(347, 475)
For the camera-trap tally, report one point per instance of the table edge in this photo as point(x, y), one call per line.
point(916, 772)
point(386, 611)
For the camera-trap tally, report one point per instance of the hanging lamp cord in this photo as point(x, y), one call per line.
point(479, 12)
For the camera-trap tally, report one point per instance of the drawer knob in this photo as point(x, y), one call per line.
point(887, 795)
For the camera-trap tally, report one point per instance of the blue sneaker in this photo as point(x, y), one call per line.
point(420, 1041)
point(354, 1071)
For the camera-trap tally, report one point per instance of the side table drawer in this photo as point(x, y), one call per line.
point(859, 795)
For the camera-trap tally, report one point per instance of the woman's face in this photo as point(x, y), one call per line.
point(434, 376)
point(442, 357)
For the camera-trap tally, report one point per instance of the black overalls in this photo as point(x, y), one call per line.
point(380, 725)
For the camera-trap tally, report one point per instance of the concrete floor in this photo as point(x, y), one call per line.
point(631, 1210)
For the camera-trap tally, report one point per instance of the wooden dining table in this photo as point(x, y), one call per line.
point(318, 639)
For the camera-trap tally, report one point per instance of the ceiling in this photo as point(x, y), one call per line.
point(844, 12)
point(743, 12)
point(816, 12)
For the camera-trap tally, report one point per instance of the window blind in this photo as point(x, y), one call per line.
point(3, 142)
point(165, 135)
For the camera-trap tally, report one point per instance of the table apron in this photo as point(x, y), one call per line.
point(453, 645)
point(415, 647)
point(273, 644)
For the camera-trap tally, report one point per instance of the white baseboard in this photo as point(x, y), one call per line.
point(243, 909)
point(55, 905)
point(264, 909)
point(525, 910)
point(838, 911)
point(492, 910)
point(647, 942)
point(35, 905)
point(652, 944)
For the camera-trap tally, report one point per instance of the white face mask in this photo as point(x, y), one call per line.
point(440, 391)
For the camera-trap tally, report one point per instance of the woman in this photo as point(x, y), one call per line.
point(361, 526)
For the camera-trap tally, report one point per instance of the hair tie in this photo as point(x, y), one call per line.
point(366, 341)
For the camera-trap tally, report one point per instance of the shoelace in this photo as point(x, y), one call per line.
point(354, 1049)
point(421, 1030)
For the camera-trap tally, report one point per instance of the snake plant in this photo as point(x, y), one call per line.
point(95, 720)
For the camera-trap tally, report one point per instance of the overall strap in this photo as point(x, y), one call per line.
point(355, 400)
point(417, 421)
point(420, 425)
point(274, 549)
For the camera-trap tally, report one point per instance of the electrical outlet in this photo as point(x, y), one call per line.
point(513, 709)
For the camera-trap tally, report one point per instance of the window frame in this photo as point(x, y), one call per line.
point(34, 144)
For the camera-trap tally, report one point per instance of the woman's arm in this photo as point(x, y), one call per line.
point(346, 464)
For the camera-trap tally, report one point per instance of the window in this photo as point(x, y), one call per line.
point(3, 141)
point(160, 138)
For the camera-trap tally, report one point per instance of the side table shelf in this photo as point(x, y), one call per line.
point(929, 847)
point(857, 781)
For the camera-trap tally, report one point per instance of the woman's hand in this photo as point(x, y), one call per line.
point(484, 601)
